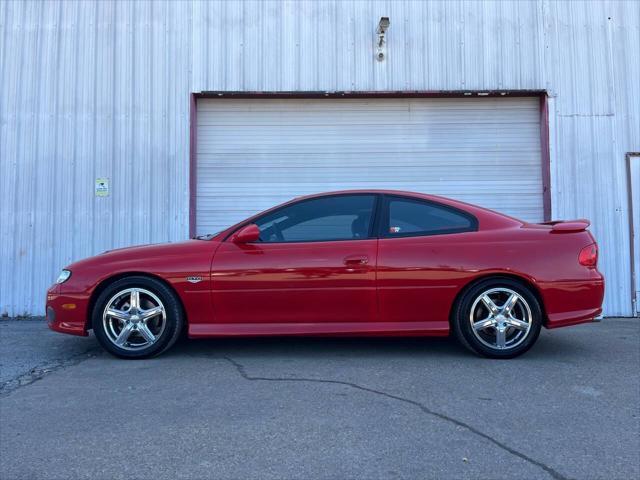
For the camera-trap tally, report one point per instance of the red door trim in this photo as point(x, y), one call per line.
point(193, 157)
point(632, 233)
point(545, 154)
point(541, 94)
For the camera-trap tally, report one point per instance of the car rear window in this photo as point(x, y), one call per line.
point(415, 217)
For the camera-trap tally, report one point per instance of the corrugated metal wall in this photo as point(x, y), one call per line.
point(102, 90)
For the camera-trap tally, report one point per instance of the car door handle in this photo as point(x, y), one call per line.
point(356, 260)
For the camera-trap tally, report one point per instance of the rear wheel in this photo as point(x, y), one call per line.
point(137, 317)
point(498, 318)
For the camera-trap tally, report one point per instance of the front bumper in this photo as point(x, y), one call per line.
point(66, 313)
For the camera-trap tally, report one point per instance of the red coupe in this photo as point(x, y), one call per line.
point(344, 263)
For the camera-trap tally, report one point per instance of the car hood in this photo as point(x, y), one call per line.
point(141, 254)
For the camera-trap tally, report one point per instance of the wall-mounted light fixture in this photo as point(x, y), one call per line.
point(380, 41)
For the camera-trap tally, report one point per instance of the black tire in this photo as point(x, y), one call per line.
point(173, 320)
point(461, 318)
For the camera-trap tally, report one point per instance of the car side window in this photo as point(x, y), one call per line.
point(340, 217)
point(413, 217)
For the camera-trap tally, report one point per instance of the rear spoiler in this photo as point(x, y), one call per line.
point(568, 225)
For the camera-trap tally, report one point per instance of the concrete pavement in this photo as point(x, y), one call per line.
point(321, 408)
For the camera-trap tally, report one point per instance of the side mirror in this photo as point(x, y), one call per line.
point(247, 234)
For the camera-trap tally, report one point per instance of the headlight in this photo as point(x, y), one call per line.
point(64, 276)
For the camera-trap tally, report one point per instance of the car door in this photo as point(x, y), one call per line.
point(314, 263)
point(420, 255)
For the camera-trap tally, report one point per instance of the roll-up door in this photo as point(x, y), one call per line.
point(255, 153)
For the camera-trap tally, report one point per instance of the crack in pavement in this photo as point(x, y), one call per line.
point(40, 371)
point(552, 472)
point(43, 370)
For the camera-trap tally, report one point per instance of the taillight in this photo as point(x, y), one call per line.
point(589, 256)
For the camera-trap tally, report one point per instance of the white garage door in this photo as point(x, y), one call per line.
point(253, 154)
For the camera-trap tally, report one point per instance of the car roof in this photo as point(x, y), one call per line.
point(487, 219)
point(404, 193)
point(469, 207)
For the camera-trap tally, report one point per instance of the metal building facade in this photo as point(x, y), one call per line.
point(102, 89)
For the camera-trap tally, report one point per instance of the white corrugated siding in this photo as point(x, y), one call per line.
point(101, 89)
point(253, 154)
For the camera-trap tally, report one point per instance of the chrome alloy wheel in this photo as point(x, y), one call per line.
point(500, 318)
point(134, 319)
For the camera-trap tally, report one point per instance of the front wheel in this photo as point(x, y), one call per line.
point(498, 318)
point(137, 317)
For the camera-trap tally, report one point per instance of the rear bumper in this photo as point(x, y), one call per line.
point(573, 318)
point(573, 302)
point(66, 313)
